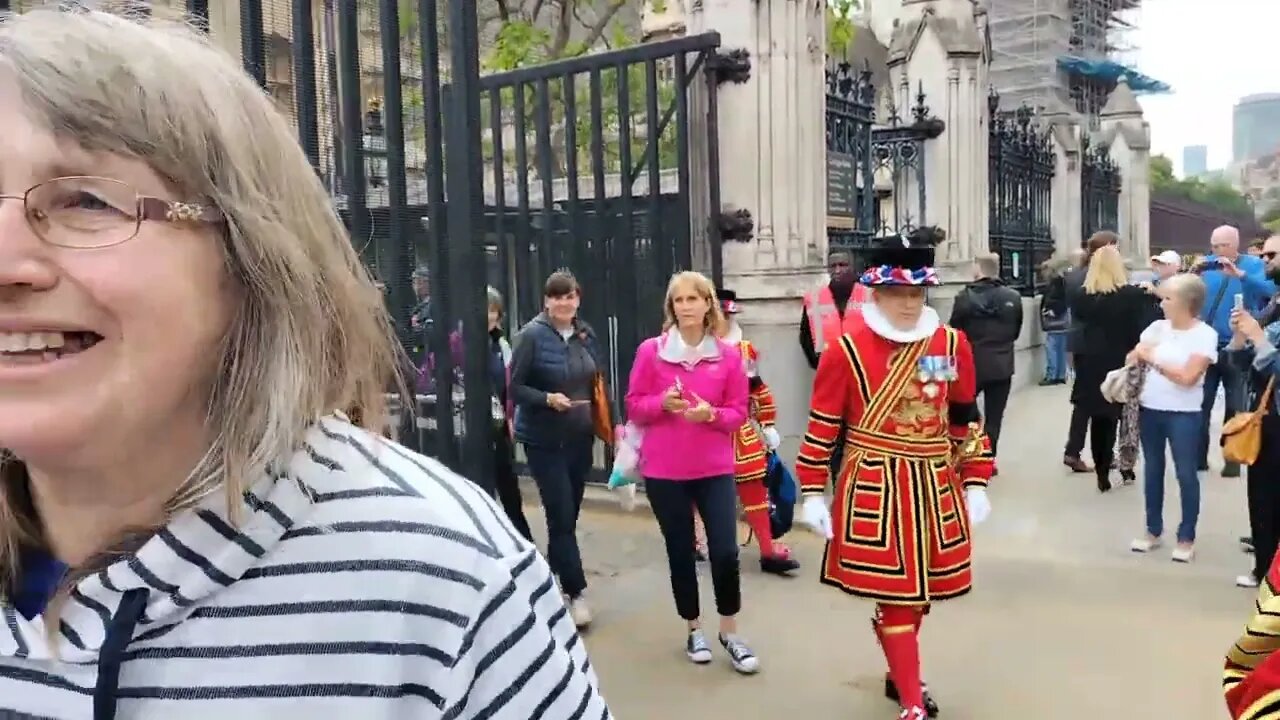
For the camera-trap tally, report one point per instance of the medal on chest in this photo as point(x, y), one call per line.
point(933, 370)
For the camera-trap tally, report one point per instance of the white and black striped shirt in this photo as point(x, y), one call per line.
point(363, 582)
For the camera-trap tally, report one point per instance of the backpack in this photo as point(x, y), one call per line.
point(782, 495)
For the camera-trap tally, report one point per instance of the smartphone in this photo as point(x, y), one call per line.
point(1239, 302)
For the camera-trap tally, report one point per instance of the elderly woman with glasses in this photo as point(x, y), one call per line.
point(189, 525)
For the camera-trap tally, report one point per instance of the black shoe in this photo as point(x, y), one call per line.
point(1104, 481)
point(1231, 470)
point(891, 692)
point(779, 565)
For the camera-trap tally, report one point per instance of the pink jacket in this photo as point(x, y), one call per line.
point(674, 448)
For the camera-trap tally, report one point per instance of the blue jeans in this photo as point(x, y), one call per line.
point(1178, 431)
point(1055, 355)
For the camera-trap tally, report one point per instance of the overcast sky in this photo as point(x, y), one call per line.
point(1213, 52)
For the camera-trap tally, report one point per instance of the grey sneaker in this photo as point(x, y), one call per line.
point(743, 660)
point(697, 648)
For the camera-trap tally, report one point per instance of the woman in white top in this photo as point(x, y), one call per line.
point(1177, 351)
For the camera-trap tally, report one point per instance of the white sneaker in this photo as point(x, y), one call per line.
point(580, 612)
point(743, 660)
point(1246, 581)
point(697, 648)
point(1184, 554)
point(1144, 544)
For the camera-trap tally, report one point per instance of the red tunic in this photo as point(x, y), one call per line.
point(899, 515)
point(1251, 680)
point(749, 452)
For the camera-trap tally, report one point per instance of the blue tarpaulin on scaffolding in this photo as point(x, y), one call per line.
point(1111, 71)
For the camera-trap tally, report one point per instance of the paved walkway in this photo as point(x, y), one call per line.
point(1064, 624)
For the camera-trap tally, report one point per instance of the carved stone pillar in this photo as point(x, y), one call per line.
point(1127, 135)
point(772, 137)
point(1065, 201)
point(939, 50)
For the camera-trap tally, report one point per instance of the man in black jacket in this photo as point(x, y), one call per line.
point(1079, 427)
point(990, 314)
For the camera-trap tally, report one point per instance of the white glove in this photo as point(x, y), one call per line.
point(979, 505)
point(816, 516)
point(771, 438)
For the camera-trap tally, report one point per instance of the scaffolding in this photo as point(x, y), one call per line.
point(1053, 55)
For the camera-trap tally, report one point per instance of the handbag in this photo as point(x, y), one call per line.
point(1242, 434)
point(1116, 386)
point(601, 410)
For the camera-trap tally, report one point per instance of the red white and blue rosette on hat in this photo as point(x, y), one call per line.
point(882, 275)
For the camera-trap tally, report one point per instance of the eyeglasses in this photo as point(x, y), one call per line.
point(84, 212)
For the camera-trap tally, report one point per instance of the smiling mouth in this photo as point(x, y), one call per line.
point(41, 347)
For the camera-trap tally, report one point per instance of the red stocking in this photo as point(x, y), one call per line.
point(898, 633)
point(755, 503)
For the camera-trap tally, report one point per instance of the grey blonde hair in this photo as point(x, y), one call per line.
point(310, 335)
point(705, 289)
point(1187, 289)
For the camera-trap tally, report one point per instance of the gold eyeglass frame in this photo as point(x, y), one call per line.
point(146, 208)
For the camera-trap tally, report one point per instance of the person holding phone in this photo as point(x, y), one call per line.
point(689, 392)
point(1227, 272)
point(554, 363)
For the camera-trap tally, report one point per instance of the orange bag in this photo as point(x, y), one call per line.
point(1242, 433)
point(601, 410)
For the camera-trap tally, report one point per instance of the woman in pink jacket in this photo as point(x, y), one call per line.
point(688, 391)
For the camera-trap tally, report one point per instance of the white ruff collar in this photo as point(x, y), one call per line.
point(734, 335)
point(880, 325)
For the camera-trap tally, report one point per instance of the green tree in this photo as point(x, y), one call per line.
point(1215, 192)
point(840, 25)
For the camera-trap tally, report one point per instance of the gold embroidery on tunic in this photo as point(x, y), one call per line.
point(915, 415)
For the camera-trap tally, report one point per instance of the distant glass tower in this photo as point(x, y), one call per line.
point(1195, 160)
point(1255, 127)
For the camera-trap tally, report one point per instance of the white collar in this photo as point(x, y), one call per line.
point(880, 325)
point(673, 348)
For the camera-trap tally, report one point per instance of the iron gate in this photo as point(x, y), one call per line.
point(875, 172)
point(601, 164)
point(1099, 190)
point(1021, 169)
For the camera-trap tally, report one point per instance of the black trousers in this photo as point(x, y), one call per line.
point(1264, 498)
point(716, 498)
point(995, 398)
point(561, 474)
point(1102, 441)
point(507, 484)
point(1076, 433)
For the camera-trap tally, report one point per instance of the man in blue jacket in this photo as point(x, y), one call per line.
point(1228, 273)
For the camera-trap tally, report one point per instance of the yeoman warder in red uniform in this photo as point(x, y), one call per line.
point(916, 462)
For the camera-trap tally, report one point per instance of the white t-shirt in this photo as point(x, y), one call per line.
point(1176, 347)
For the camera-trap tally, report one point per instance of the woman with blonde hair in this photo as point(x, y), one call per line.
point(688, 391)
point(1112, 314)
point(188, 526)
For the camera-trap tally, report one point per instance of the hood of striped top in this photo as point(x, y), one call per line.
point(200, 553)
